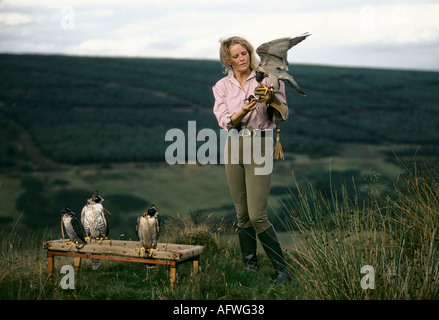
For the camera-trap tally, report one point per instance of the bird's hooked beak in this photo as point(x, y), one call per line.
point(152, 211)
point(259, 76)
point(66, 211)
point(97, 198)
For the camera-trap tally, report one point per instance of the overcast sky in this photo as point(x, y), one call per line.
point(374, 33)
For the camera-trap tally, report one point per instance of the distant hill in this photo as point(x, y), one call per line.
point(65, 109)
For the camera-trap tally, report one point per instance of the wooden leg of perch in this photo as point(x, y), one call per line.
point(77, 264)
point(50, 264)
point(172, 275)
point(196, 265)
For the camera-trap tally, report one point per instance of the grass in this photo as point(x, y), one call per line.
point(334, 236)
point(395, 234)
point(24, 271)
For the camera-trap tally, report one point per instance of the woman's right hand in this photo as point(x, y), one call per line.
point(236, 118)
point(249, 106)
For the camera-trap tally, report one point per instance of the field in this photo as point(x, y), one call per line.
point(75, 125)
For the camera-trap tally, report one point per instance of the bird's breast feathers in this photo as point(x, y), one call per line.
point(93, 217)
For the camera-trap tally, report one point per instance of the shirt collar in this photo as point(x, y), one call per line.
point(232, 78)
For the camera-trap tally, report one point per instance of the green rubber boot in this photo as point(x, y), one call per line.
point(270, 243)
point(247, 241)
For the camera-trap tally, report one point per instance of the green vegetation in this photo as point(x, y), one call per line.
point(333, 239)
point(94, 110)
point(24, 271)
point(396, 235)
point(101, 110)
point(74, 125)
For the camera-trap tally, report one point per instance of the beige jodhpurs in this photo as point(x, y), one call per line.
point(249, 190)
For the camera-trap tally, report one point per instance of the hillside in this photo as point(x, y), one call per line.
point(93, 110)
point(71, 125)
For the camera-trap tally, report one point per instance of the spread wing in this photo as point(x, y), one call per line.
point(274, 53)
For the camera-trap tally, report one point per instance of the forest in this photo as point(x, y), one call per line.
point(83, 110)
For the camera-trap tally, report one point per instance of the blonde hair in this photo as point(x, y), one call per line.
point(224, 51)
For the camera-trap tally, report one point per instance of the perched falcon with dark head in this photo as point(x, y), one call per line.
point(74, 229)
point(148, 230)
point(274, 63)
point(94, 220)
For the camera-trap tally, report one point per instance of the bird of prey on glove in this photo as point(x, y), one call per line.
point(274, 63)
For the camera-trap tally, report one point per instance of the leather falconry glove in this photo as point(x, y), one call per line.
point(265, 94)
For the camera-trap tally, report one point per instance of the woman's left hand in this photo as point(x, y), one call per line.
point(264, 93)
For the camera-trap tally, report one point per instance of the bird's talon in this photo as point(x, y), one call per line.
point(71, 243)
point(141, 251)
point(150, 251)
point(266, 90)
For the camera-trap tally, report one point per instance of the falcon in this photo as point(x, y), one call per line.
point(148, 230)
point(274, 63)
point(74, 229)
point(94, 220)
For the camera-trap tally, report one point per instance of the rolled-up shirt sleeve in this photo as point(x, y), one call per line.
point(220, 109)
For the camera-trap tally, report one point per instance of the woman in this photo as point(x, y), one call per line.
point(249, 119)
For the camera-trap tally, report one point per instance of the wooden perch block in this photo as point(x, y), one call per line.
point(169, 254)
point(166, 251)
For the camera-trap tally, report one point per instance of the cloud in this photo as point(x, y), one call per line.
point(129, 47)
point(358, 33)
point(14, 18)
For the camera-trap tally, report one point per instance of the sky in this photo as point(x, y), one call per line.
point(374, 33)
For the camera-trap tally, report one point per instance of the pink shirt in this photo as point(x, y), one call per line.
point(229, 99)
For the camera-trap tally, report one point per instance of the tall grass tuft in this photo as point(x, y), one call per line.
point(20, 256)
point(397, 235)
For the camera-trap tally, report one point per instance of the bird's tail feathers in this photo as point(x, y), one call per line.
point(294, 84)
point(299, 90)
point(95, 263)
